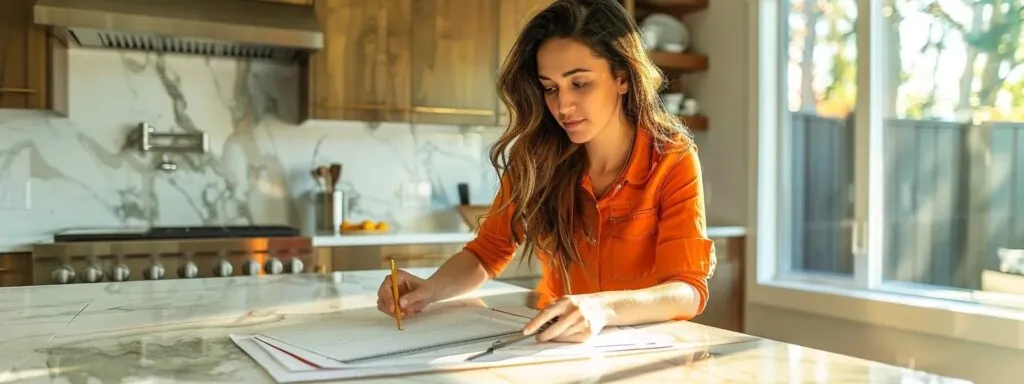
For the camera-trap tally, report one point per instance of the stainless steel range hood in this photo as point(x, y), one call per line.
point(229, 28)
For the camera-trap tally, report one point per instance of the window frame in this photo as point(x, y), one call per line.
point(863, 297)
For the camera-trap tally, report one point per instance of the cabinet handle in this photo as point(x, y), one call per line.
point(18, 90)
point(453, 111)
point(6, 270)
point(383, 107)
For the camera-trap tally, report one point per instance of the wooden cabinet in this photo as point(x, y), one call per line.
point(454, 61)
point(514, 16)
point(296, 2)
point(420, 61)
point(23, 57)
point(376, 257)
point(362, 73)
point(15, 269)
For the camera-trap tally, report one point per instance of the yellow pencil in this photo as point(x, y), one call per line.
point(394, 294)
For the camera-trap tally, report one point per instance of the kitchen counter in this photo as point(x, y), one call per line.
point(19, 244)
point(177, 331)
point(454, 237)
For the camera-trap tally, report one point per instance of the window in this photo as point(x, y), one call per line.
point(897, 161)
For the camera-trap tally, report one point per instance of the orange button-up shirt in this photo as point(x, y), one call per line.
point(651, 229)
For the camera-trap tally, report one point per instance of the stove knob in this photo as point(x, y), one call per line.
point(91, 274)
point(120, 272)
point(188, 270)
point(295, 265)
point(273, 266)
point(63, 275)
point(154, 272)
point(251, 268)
point(223, 269)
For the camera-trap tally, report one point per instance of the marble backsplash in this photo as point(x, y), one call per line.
point(79, 172)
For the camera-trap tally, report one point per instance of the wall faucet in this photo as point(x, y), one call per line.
point(150, 141)
point(193, 142)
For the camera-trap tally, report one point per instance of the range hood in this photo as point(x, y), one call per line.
point(226, 28)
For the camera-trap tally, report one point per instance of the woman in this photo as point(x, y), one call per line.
point(598, 180)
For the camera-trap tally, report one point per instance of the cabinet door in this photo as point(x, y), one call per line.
point(362, 73)
point(15, 269)
point(296, 2)
point(22, 57)
point(514, 16)
point(454, 57)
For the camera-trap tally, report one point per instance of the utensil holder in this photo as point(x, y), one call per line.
point(329, 211)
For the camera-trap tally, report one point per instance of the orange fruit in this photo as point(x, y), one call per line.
point(382, 226)
point(368, 225)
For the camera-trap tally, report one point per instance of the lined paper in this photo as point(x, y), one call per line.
point(366, 332)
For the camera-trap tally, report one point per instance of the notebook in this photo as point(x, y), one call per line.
point(365, 334)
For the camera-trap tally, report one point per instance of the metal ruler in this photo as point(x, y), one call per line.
point(432, 347)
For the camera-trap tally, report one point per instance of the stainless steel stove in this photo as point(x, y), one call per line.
point(160, 253)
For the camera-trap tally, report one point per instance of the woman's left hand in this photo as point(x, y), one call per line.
point(580, 318)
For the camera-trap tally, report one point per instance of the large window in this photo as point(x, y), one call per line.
point(900, 146)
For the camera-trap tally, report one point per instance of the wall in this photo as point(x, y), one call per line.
point(80, 174)
point(720, 32)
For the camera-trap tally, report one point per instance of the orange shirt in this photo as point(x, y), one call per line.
point(651, 230)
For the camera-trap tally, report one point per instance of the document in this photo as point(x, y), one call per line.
point(363, 342)
point(365, 334)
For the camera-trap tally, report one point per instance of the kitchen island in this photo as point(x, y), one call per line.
point(177, 331)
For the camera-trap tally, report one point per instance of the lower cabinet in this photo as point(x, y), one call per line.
point(15, 269)
point(376, 257)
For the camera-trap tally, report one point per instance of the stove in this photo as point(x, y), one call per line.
point(162, 253)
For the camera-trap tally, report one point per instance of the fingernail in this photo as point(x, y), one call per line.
point(402, 302)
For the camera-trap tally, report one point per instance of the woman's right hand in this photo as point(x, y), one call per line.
point(414, 294)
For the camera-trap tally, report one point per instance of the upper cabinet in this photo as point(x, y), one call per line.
point(296, 2)
point(514, 16)
point(420, 61)
point(363, 72)
point(454, 61)
point(23, 57)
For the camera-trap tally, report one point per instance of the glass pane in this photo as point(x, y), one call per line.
point(954, 138)
point(820, 81)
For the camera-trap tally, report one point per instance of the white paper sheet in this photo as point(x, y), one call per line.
point(365, 332)
point(305, 357)
point(286, 363)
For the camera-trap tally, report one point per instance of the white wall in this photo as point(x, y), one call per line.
point(722, 32)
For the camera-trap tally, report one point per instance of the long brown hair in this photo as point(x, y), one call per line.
point(543, 167)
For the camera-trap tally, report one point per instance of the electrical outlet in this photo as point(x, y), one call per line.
point(15, 195)
point(416, 194)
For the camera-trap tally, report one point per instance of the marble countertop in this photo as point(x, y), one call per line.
point(19, 244)
point(455, 237)
point(177, 331)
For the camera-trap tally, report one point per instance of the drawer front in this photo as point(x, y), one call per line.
point(379, 257)
point(15, 269)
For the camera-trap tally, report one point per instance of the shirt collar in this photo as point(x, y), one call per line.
point(643, 160)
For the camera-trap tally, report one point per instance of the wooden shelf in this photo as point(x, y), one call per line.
point(695, 122)
point(679, 62)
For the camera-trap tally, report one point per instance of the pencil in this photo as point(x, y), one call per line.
point(394, 294)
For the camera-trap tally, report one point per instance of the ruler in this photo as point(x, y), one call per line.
point(432, 347)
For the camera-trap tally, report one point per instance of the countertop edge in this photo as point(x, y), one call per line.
point(24, 244)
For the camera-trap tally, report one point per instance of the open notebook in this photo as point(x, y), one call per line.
point(366, 335)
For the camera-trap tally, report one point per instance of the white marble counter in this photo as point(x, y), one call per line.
point(455, 237)
point(18, 244)
point(177, 331)
point(392, 239)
